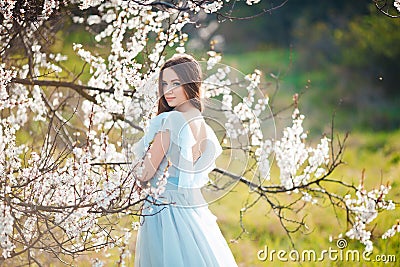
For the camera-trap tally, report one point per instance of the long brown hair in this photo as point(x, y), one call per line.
point(189, 73)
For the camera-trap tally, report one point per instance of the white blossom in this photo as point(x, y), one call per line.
point(392, 231)
point(213, 59)
point(85, 4)
point(396, 4)
point(292, 154)
point(213, 6)
point(6, 230)
point(48, 7)
point(93, 19)
point(366, 208)
point(251, 2)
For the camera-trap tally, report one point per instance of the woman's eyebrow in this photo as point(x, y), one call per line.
point(173, 80)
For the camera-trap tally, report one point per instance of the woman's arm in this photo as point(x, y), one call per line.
point(155, 154)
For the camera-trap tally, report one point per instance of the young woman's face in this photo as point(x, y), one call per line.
point(172, 88)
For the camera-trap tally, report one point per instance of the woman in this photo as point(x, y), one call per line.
point(177, 228)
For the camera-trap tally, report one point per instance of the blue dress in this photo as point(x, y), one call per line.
point(177, 228)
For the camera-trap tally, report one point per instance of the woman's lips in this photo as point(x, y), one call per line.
point(169, 98)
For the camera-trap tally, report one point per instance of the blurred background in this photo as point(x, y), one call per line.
point(348, 51)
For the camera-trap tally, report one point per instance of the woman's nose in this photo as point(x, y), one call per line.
point(169, 90)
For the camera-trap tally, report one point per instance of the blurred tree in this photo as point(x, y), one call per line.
point(369, 44)
point(275, 27)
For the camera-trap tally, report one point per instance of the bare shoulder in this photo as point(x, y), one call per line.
point(191, 114)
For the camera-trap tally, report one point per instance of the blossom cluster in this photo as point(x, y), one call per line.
point(9, 160)
point(7, 8)
point(392, 231)
point(396, 4)
point(213, 6)
point(365, 209)
point(49, 6)
point(252, 2)
point(25, 14)
point(297, 162)
point(6, 229)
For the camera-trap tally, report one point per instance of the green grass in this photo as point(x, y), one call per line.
point(277, 61)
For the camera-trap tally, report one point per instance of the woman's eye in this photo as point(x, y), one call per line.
point(176, 83)
point(164, 84)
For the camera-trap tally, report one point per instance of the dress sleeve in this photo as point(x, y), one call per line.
point(180, 134)
point(154, 125)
